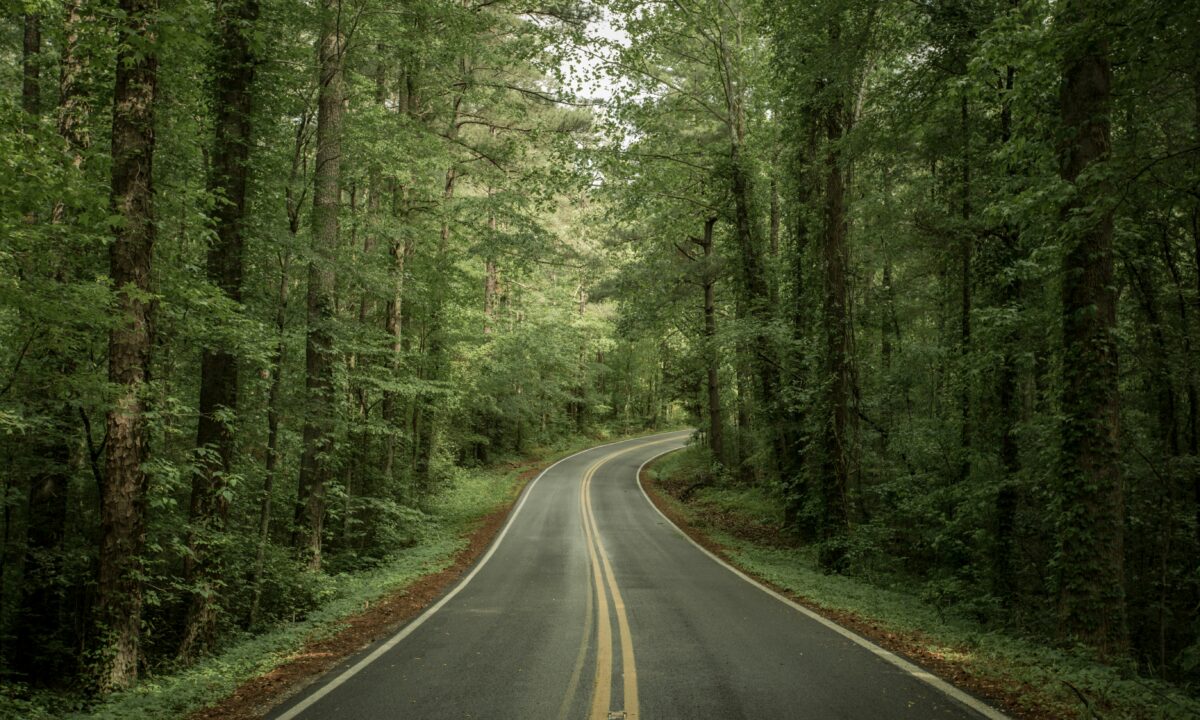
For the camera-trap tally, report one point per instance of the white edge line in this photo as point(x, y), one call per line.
point(408, 629)
point(921, 674)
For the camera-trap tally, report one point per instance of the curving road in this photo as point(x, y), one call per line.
point(590, 604)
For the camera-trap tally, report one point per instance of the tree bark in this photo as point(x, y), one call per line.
point(73, 107)
point(965, 252)
point(274, 395)
point(716, 418)
point(491, 273)
point(743, 381)
point(754, 288)
point(318, 347)
point(399, 251)
point(123, 505)
point(1007, 498)
point(834, 263)
point(1091, 596)
point(427, 430)
point(393, 326)
point(776, 214)
point(31, 66)
point(233, 102)
point(756, 295)
point(491, 284)
point(435, 356)
point(1194, 441)
point(791, 468)
point(42, 648)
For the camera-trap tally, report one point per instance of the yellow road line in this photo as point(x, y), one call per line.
point(628, 665)
point(602, 687)
point(580, 658)
point(602, 576)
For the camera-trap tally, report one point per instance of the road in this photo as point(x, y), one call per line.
point(590, 604)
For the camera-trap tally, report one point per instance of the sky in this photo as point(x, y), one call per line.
point(583, 66)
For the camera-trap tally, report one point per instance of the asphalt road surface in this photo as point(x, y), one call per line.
point(590, 604)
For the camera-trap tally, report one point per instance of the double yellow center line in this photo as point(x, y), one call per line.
point(605, 583)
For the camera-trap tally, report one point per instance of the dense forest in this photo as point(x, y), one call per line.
point(938, 268)
point(273, 273)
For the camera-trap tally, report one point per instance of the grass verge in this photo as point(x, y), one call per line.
point(1018, 675)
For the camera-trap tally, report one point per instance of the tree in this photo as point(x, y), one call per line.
point(1090, 526)
point(215, 441)
point(318, 349)
point(123, 502)
point(716, 418)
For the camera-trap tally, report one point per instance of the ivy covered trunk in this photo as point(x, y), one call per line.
point(716, 417)
point(31, 68)
point(1091, 520)
point(123, 500)
point(319, 418)
point(215, 442)
point(1008, 402)
point(835, 470)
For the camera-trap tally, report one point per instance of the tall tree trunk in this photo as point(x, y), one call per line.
point(1007, 498)
point(6, 551)
point(31, 66)
point(965, 252)
point(776, 215)
point(491, 285)
point(757, 301)
point(716, 418)
point(1187, 337)
point(755, 290)
point(491, 273)
point(43, 631)
point(42, 645)
point(743, 380)
point(293, 207)
point(234, 107)
point(1158, 363)
point(355, 478)
point(435, 356)
point(1194, 442)
point(123, 503)
point(393, 326)
point(399, 250)
point(834, 262)
point(73, 107)
point(1091, 600)
point(791, 466)
point(318, 346)
point(274, 396)
point(41, 648)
